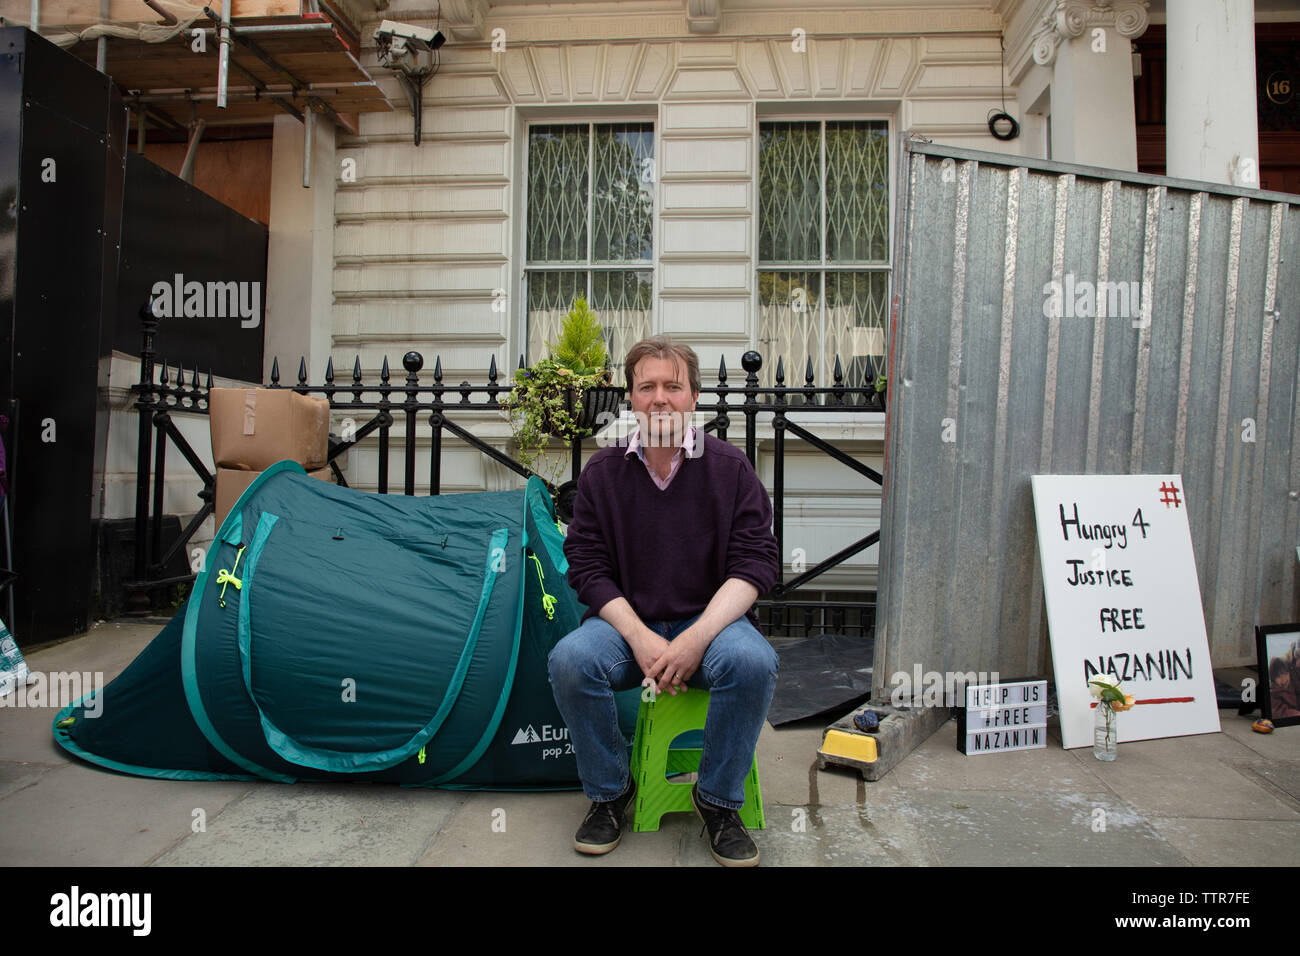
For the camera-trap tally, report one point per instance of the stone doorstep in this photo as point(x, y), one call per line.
point(901, 730)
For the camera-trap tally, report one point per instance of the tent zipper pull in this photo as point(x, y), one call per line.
point(548, 600)
point(225, 577)
point(420, 755)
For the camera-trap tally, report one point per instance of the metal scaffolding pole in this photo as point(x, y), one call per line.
point(309, 130)
point(170, 19)
point(230, 34)
point(223, 63)
point(101, 48)
point(187, 168)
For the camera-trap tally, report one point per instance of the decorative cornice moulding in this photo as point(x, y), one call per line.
point(465, 18)
point(1068, 19)
point(883, 71)
point(700, 18)
point(703, 16)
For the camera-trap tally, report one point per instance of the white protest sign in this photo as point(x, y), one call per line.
point(1123, 600)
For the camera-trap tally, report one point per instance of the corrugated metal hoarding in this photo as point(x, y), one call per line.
point(1061, 319)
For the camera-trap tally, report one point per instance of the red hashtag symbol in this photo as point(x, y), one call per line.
point(1166, 489)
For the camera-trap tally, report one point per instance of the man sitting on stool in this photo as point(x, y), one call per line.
point(671, 543)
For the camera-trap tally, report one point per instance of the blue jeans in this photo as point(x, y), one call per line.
point(739, 670)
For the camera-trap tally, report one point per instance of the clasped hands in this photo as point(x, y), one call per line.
point(670, 664)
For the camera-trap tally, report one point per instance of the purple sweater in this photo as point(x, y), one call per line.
point(669, 551)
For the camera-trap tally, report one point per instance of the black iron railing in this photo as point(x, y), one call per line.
point(162, 394)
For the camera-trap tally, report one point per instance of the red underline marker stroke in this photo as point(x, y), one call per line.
point(1155, 700)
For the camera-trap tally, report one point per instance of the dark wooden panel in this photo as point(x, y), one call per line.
point(237, 173)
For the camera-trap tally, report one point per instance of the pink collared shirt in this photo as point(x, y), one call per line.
point(686, 450)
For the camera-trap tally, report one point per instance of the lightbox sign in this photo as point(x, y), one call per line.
point(1002, 717)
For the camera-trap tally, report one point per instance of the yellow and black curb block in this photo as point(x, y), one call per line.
point(874, 753)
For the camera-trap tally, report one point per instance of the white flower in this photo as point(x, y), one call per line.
point(1095, 685)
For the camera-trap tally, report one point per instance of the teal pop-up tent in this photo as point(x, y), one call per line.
point(335, 634)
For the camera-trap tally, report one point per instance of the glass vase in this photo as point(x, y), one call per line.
point(1104, 732)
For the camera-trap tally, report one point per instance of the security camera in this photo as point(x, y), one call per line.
point(406, 47)
point(423, 37)
point(411, 52)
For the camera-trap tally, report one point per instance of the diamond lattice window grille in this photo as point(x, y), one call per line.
point(824, 203)
point(550, 294)
point(857, 192)
point(856, 309)
point(591, 230)
point(789, 178)
point(622, 197)
point(557, 194)
point(789, 310)
point(624, 301)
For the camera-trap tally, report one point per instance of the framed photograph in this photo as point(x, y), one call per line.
point(1278, 648)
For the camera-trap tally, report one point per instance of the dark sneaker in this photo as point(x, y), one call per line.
point(728, 841)
point(602, 829)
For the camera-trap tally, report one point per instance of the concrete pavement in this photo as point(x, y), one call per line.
point(1229, 799)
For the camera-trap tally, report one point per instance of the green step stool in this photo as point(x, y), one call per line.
point(658, 724)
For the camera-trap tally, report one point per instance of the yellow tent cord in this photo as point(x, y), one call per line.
point(225, 577)
point(548, 600)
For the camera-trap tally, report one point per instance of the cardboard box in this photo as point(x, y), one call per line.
point(253, 428)
point(232, 482)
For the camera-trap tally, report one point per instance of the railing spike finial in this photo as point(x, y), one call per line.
point(869, 386)
point(329, 371)
point(437, 369)
point(722, 370)
point(780, 371)
point(839, 372)
point(356, 370)
point(808, 373)
point(492, 370)
point(180, 375)
point(521, 359)
point(209, 384)
point(383, 373)
point(162, 377)
point(302, 370)
point(275, 372)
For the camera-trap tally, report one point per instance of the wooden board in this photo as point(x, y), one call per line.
point(136, 70)
point(323, 62)
point(79, 14)
point(238, 172)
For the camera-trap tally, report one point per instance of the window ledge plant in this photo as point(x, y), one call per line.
point(562, 395)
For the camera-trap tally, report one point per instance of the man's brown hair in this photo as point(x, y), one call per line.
point(663, 347)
